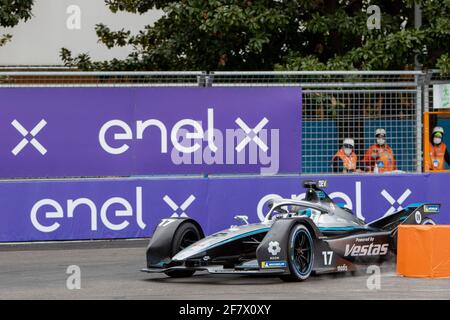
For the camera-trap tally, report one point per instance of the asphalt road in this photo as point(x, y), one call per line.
point(110, 270)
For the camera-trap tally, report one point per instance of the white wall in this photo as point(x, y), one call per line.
point(39, 40)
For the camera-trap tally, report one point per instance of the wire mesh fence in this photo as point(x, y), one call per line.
point(329, 117)
point(314, 79)
point(352, 105)
point(438, 110)
point(336, 105)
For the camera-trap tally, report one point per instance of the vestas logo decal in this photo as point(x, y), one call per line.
point(366, 250)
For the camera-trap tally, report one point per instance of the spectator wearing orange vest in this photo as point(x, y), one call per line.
point(380, 157)
point(345, 160)
point(438, 150)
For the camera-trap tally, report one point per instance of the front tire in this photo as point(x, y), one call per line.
point(300, 254)
point(184, 236)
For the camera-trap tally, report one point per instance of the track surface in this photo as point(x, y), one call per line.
point(109, 270)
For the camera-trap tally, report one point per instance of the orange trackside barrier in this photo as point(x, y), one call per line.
point(423, 251)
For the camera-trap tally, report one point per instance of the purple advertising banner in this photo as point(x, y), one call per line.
point(79, 132)
point(131, 208)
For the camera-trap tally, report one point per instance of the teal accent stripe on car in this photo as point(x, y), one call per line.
point(414, 205)
point(340, 228)
point(237, 237)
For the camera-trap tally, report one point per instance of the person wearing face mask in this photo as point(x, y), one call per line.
point(438, 150)
point(380, 157)
point(345, 160)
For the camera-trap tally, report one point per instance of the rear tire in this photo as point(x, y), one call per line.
point(300, 254)
point(187, 234)
point(428, 221)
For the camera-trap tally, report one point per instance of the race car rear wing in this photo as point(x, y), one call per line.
point(412, 214)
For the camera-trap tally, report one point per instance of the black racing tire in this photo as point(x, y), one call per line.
point(300, 254)
point(428, 221)
point(187, 234)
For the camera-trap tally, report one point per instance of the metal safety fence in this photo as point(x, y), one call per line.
point(436, 113)
point(97, 79)
point(432, 78)
point(350, 105)
point(336, 105)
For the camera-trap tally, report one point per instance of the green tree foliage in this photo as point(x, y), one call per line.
point(276, 34)
point(11, 13)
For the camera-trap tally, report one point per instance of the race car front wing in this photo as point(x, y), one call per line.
point(219, 270)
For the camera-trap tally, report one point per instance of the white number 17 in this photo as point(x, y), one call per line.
point(327, 257)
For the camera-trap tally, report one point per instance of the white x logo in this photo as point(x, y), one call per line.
point(392, 201)
point(252, 134)
point(175, 207)
point(24, 132)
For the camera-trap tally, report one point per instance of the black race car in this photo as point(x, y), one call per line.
point(296, 239)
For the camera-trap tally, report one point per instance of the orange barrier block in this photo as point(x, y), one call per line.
point(423, 251)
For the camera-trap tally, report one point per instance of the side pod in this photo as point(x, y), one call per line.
point(159, 250)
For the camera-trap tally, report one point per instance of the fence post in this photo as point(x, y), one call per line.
point(420, 82)
point(209, 79)
point(426, 92)
point(202, 79)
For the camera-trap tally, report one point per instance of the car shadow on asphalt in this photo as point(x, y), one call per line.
point(209, 279)
point(205, 278)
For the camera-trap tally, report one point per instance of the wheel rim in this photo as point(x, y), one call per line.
point(301, 252)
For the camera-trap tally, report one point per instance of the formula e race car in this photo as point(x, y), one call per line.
point(297, 238)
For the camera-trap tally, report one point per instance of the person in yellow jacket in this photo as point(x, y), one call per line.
point(345, 160)
point(438, 150)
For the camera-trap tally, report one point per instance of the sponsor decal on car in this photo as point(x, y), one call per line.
point(367, 239)
point(342, 268)
point(431, 208)
point(322, 183)
point(274, 248)
point(418, 217)
point(366, 250)
point(273, 264)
